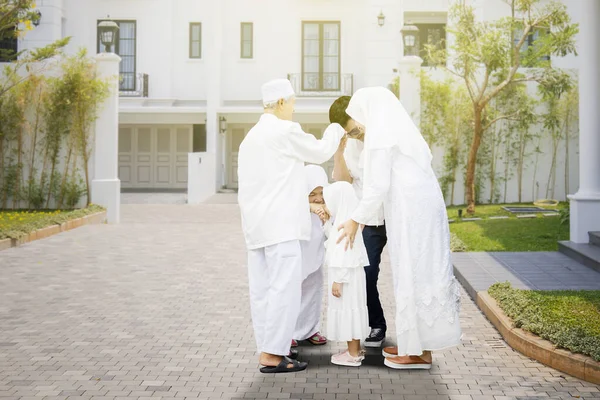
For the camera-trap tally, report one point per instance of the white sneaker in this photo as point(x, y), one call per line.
point(346, 360)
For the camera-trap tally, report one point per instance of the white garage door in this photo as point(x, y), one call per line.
point(154, 156)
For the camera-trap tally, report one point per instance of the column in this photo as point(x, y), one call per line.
point(213, 82)
point(410, 86)
point(106, 186)
point(585, 204)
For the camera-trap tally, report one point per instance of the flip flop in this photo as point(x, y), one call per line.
point(317, 339)
point(293, 354)
point(283, 367)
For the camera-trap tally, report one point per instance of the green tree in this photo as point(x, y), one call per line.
point(488, 56)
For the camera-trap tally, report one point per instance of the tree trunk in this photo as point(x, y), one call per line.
point(472, 160)
point(19, 173)
point(62, 186)
point(2, 176)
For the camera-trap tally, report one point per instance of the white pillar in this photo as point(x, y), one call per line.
point(410, 86)
point(106, 186)
point(585, 204)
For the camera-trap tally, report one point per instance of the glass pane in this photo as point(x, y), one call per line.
point(247, 49)
point(311, 31)
point(195, 50)
point(311, 64)
point(311, 48)
point(127, 30)
point(331, 31)
point(331, 47)
point(331, 64)
point(246, 31)
point(196, 31)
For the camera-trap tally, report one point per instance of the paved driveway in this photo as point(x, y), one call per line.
point(158, 307)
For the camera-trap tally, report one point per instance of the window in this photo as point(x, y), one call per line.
point(246, 40)
point(433, 34)
point(125, 47)
point(195, 40)
point(529, 47)
point(9, 47)
point(199, 139)
point(320, 56)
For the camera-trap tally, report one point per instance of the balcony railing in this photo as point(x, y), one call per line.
point(133, 85)
point(312, 88)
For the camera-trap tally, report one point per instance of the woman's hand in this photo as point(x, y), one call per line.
point(336, 289)
point(350, 228)
point(320, 210)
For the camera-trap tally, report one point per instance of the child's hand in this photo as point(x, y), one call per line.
point(336, 289)
point(320, 210)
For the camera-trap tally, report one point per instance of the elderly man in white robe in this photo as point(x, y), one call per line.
point(276, 217)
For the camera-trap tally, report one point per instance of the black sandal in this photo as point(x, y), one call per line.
point(284, 367)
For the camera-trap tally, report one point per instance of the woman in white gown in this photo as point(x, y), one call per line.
point(398, 173)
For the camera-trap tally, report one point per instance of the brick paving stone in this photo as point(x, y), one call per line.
point(157, 307)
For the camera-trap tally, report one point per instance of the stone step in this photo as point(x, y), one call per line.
point(594, 238)
point(586, 254)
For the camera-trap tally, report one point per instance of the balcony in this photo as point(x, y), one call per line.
point(133, 85)
point(322, 85)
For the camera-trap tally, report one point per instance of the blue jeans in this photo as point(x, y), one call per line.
point(375, 239)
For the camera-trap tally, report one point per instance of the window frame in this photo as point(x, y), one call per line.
point(321, 25)
point(250, 40)
point(117, 47)
point(421, 43)
point(192, 41)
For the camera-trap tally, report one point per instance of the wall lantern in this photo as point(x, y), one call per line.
point(409, 37)
point(222, 124)
point(381, 18)
point(108, 34)
point(36, 21)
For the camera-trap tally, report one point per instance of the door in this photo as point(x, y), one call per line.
point(126, 156)
point(144, 177)
point(183, 146)
point(237, 133)
point(163, 166)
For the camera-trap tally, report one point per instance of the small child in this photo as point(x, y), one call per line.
point(313, 256)
point(347, 314)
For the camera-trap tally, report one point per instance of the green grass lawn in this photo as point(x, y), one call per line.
point(14, 224)
point(569, 319)
point(513, 234)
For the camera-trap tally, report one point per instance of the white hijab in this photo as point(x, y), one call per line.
point(313, 250)
point(315, 177)
point(341, 201)
point(388, 125)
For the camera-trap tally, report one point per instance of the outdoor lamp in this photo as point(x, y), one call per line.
point(409, 35)
point(222, 124)
point(381, 19)
point(108, 33)
point(36, 22)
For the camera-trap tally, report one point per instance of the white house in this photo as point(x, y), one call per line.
point(191, 70)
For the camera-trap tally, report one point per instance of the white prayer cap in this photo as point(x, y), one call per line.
point(276, 89)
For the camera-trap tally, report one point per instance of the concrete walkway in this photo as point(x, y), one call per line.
point(157, 307)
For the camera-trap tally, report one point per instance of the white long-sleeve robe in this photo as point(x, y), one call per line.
point(271, 178)
point(427, 294)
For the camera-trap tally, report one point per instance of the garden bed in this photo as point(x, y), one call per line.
point(24, 226)
point(568, 319)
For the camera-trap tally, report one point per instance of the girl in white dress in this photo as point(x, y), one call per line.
point(347, 313)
